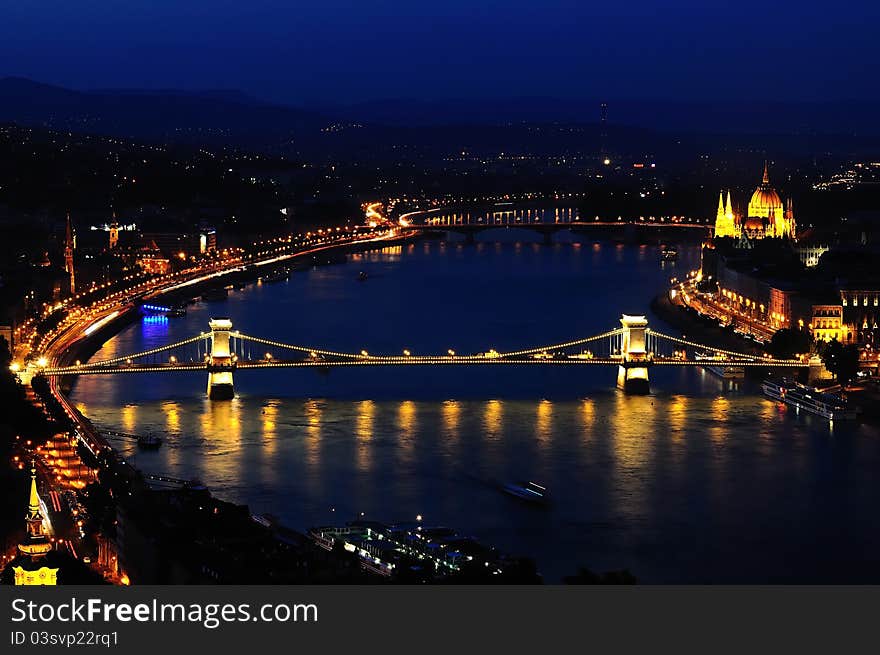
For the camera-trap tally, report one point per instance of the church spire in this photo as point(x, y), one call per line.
point(720, 204)
point(34, 517)
point(69, 245)
point(729, 211)
point(766, 179)
point(114, 232)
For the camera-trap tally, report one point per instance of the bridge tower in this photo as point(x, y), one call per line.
point(632, 374)
point(220, 363)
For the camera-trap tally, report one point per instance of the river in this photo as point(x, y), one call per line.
point(694, 483)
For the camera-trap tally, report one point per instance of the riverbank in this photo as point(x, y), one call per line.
point(699, 328)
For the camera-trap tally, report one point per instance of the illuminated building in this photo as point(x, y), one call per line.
point(827, 323)
point(766, 215)
point(207, 240)
point(154, 263)
point(861, 313)
point(34, 564)
point(810, 254)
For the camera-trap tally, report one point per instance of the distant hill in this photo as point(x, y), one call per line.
point(213, 116)
point(733, 116)
point(392, 130)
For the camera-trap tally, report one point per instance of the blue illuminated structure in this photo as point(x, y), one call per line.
point(161, 312)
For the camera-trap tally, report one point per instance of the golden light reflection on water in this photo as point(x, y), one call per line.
point(451, 412)
point(493, 419)
point(313, 413)
point(129, 418)
point(633, 423)
point(677, 410)
point(588, 416)
point(172, 416)
point(222, 422)
point(363, 432)
point(720, 409)
point(544, 422)
point(269, 421)
point(406, 425)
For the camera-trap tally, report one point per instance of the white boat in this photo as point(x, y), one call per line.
point(528, 491)
point(800, 396)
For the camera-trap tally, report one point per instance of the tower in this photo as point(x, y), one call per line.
point(221, 363)
point(69, 245)
point(632, 374)
point(114, 232)
point(725, 221)
point(31, 567)
point(603, 133)
point(790, 224)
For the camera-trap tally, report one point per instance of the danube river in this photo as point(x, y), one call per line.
point(694, 483)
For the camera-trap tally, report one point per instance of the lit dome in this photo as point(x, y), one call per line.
point(765, 202)
point(765, 198)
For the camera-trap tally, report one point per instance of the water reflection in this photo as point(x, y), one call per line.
point(129, 418)
point(492, 419)
point(171, 410)
point(363, 432)
point(406, 425)
point(544, 423)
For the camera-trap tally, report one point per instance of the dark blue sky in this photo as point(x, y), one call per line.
point(340, 51)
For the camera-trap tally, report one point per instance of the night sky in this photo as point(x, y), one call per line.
point(337, 51)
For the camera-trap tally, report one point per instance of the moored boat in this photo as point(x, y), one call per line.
point(827, 405)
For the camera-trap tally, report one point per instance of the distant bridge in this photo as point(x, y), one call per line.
point(471, 222)
point(633, 348)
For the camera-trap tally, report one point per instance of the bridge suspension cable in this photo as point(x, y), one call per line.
point(562, 346)
point(289, 346)
point(359, 356)
point(692, 344)
point(145, 353)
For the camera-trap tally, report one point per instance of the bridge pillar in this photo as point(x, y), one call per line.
point(220, 363)
point(632, 374)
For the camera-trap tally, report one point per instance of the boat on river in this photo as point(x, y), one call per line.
point(812, 400)
point(531, 492)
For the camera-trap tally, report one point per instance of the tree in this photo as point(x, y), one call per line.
point(842, 360)
point(786, 343)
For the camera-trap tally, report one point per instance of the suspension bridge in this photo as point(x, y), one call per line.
point(633, 348)
point(471, 222)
